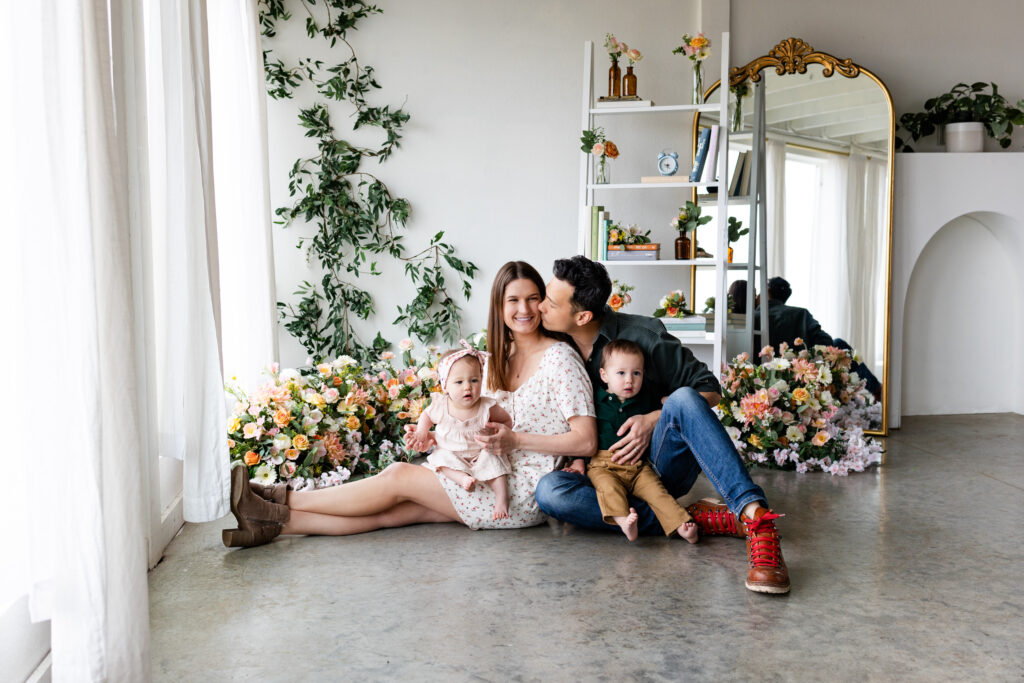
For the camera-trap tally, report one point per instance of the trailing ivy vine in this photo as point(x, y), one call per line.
point(355, 214)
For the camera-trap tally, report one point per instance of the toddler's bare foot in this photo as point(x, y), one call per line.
point(628, 524)
point(688, 530)
point(501, 510)
point(468, 483)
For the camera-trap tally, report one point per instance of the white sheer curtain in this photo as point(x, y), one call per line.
point(866, 198)
point(109, 256)
point(775, 163)
point(828, 296)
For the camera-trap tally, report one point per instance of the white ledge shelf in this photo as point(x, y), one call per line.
point(713, 107)
point(644, 186)
point(687, 337)
point(699, 263)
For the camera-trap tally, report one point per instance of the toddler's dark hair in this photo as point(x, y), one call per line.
point(621, 346)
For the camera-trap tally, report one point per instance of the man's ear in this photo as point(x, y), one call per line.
point(583, 317)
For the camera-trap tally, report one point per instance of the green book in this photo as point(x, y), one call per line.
point(595, 224)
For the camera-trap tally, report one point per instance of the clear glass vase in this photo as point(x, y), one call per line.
point(737, 116)
point(601, 172)
point(698, 83)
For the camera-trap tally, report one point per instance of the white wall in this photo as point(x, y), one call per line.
point(491, 153)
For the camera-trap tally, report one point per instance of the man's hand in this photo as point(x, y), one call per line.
point(418, 439)
point(501, 440)
point(636, 434)
point(578, 465)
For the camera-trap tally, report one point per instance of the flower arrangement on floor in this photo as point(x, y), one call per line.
point(593, 142)
point(629, 235)
point(620, 295)
point(804, 410)
point(673, 305)
point(697, 48)
point(315, 427)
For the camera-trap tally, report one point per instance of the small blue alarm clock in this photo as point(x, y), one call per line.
point(668, 162)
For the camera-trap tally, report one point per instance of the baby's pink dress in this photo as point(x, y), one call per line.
point(456, 447)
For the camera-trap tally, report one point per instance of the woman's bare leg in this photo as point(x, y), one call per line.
point(402, 514)
point(400, 482)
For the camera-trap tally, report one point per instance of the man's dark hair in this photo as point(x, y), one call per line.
point(738, 294)
point(590, 282)
point(779, 290)
point(621, 346)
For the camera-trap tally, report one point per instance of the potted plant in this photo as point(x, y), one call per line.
point(686, 222)
point(965, 108)
point(735, 232)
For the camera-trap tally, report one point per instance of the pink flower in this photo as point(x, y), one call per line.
point(598, 149)
point(274, 367)
point(287, 469)
point(821, 438)
point(405, 344)
point(387, 355)
point(767, 352)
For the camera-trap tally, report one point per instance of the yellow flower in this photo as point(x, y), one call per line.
point(301, 441)
point(699, 41)
point(755, 441)
point(352, 422)
point(800, 395)
point(235, 424)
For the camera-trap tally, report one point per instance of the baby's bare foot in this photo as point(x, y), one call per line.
point(468, 483)
point(688, 530)
point(501, 510)
point(628, 524)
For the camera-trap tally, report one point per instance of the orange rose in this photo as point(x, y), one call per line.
point(671, 311)
point(337, 381)
point(351, 422)
point(698, 42)
point(301, 441)
point(610, 150)
point(800, 395)
point(291, 453)
point(615, 302)
point(251, 458)
point(282, 418)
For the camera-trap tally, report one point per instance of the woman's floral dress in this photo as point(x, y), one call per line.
point(558, 390)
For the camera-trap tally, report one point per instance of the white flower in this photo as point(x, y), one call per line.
point(289, 375)
point(240, 408)
point(406, 344)
point(780, 386)
point(265, 475)
point(276, 459)
point(801, 467)
point(733, 433)
point(331, 395)
point(282, 441)
point(251, 430)
point(663, 303)
point(737, 413)
point(794, 434)
point(316, 416)
point(718, 412)
point(826, 398)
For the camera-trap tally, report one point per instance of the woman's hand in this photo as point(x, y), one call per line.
point(418, 439)
point(636, 435)
point(501, 441)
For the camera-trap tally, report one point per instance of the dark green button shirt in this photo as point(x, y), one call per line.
point(786, 323)
point(668, 365)
point(611, 413)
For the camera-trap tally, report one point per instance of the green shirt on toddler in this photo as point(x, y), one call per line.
point(611, 413)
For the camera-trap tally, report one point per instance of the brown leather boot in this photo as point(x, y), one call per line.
point(767, 572)
point(275, 493)
point(259, 521)
point(714, 519)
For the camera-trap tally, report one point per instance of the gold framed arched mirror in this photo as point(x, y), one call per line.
point(828, 130)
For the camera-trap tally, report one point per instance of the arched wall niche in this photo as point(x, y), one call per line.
point(962, 340)
point(973, 207)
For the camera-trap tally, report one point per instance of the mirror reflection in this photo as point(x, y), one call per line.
point(828, 171)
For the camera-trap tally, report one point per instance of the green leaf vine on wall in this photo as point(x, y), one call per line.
point(356, 217)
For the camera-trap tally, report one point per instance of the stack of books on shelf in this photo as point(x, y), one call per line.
point(634, 252)
point(734, 320)
point(691, 323)
point(617, 102)
point(739, 186)
point(705, 159)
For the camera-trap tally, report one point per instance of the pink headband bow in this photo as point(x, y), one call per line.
point(445, 366)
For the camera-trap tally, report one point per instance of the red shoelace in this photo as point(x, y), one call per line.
point(763, 539)
point(717, 521)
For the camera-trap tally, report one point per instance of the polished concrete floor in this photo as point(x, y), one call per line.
point(912, 571)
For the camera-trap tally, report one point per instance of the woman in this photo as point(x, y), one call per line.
point(539, 381)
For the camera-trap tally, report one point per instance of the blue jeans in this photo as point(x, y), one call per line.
point(687, 440)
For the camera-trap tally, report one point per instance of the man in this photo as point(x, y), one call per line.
point(788, 323)
point(685, 436)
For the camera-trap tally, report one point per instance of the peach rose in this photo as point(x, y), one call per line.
point(282, 418)
point(800, 395)
point(337, 381)
point(292, 453)
point(598, 149)
point(615, 302)
point(301, 441)
point(251, 458)
point(821, 438)
point(352, 422)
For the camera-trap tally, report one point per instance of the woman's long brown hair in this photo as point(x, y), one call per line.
point(499, 337)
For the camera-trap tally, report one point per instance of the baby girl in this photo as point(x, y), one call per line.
point(458, 414)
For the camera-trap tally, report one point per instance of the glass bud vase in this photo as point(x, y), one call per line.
point(614, 79)
point(682, 247)
point(698, 83)
point(601, 173)
point(629, 82)
point(737, 116)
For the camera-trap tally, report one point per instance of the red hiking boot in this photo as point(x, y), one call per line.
point(714, 519)
point(767, 572)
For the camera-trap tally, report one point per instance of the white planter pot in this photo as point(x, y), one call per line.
point(965, 137)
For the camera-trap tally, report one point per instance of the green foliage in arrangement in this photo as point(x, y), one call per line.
point(964, 104)
point(356, 217)
point(736, 229)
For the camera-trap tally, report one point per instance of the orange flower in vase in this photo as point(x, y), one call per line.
point(610, 150)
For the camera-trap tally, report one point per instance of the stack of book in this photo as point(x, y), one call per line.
point(739, 186)
point(634, 252)
point(705, 159)
point(690, 323)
